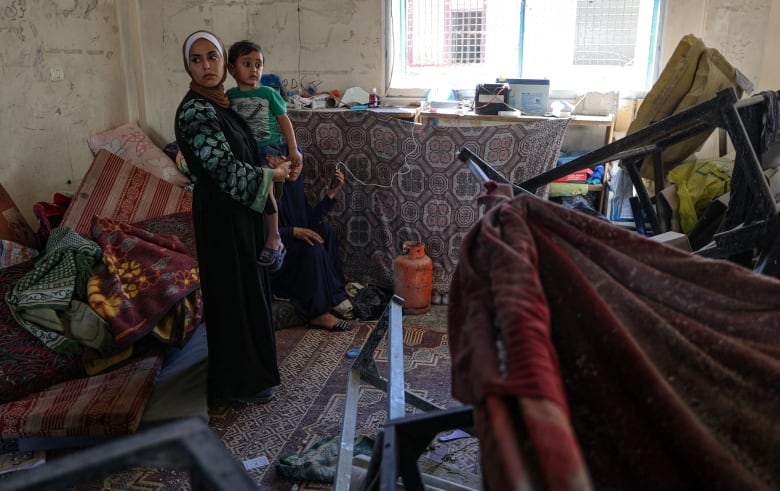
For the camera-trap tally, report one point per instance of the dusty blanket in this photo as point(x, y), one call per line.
point(147, 283)
point(666, 365)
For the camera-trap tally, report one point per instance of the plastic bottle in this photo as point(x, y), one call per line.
point(373, 98)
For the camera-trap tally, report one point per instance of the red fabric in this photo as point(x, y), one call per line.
point(666, 364)
point(144, 277)
point(50, 214)
point(111, 403)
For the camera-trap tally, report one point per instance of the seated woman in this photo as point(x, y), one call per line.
point(311, 275)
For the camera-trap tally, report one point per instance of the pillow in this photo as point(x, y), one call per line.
point(131, 143)
point(116, 189)
point(13, 226)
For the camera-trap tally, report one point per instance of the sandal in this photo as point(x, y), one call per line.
point(272, 259)
point(340, 326)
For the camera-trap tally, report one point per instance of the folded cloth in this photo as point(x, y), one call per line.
point(319, 462)
point(47, 300)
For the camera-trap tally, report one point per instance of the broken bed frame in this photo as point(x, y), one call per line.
point(751, 219)
point(402, 438)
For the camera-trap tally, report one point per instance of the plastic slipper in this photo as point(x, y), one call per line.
point(270, 258)
point(281, 254)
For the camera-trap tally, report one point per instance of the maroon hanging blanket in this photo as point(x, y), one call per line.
point(666, 364)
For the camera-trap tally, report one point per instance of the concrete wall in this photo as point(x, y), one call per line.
point(121, 60)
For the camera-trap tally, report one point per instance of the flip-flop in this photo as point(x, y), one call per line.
point(340, 326)
point(272, 258)
point(281, 254)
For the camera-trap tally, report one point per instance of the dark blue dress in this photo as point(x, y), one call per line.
point(311, 275)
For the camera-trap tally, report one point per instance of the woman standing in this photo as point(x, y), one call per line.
point(229, 198)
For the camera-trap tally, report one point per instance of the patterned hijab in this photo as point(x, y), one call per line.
point(213, 94)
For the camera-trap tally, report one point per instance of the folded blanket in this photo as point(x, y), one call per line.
point(45, 301)
point(146, 283)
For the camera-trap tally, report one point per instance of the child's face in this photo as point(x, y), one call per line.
point(247, 70)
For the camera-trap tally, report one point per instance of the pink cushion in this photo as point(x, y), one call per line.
point(131, 143)
point(13, 226)
point(116, 189)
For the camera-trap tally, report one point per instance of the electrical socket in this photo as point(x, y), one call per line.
point(56, 74)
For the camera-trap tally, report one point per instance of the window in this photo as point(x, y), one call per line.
point(578, 45)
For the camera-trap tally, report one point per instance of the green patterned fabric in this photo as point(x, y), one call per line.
point(319, 462)
point(201, 128)
point(45, 301)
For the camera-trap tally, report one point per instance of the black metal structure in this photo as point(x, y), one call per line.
point(751, 218)
point(188, 445)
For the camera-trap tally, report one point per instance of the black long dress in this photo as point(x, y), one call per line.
point(229, 198)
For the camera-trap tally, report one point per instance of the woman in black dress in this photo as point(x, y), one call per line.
point(229, 199)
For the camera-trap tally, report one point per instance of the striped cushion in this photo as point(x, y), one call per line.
point(111, 403)
point(116, 189)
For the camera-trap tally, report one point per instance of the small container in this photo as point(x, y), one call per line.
point(413, 278)
point(373, 98)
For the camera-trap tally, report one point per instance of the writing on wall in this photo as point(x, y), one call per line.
point(15, 9)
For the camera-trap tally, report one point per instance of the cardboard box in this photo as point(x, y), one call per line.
point(674, 239)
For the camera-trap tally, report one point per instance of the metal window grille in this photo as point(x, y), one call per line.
point(466, 36)
point(445, 32)
point(606, 32)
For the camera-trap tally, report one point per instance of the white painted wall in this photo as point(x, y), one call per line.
point(121, 60)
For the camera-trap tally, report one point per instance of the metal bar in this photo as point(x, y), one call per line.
point(677, 127)
point(406, 438)
point(644, 198)
point(395, 360)
point(485, 172)
point(364, 370)
point(751, 165)
point(187, 444)
point(658, 168)
point(343, 476)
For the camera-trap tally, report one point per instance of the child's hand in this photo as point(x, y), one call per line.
point(295, 156)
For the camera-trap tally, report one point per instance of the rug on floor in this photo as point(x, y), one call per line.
point(309, 406)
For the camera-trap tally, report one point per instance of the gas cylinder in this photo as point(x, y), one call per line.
point(413, 279)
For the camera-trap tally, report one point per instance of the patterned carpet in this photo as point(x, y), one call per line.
point(310, 404)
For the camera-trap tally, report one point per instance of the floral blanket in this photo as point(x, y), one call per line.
point(147, 283)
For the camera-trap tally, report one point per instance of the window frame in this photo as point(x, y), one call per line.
point(395, 8)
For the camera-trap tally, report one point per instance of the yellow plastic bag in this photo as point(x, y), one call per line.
point(698, 183)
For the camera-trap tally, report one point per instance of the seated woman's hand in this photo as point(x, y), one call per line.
point(335, 184)
point(307, 235)
point(281, 167)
